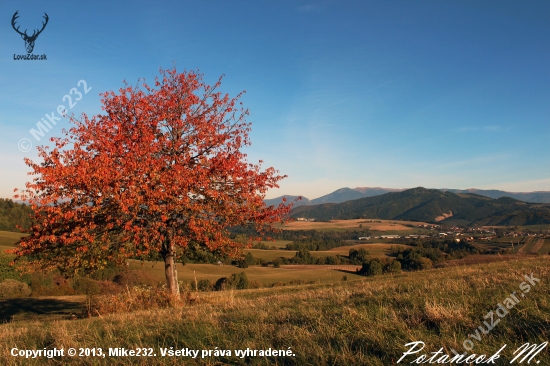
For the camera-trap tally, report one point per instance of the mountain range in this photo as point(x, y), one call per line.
point(432, 205)
point(347, 194)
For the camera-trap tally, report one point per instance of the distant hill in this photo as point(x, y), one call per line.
point(537, 197)
point(376, 191)
point(278, 200)
point(340, 195)
point(12, 214)
point(433, 205)
point(347, 194)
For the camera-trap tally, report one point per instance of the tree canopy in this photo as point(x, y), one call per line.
point(160, 169)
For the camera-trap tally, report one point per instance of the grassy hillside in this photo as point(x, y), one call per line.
point(420, 204)
point(361, 322)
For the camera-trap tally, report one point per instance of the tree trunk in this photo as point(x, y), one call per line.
point(170, 267)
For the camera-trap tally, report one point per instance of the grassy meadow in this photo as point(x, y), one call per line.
point(364, 321)
point(323, 314)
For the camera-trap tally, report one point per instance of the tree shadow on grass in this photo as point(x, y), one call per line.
point(28, 308)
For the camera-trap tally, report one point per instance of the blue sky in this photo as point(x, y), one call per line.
point(440, 94)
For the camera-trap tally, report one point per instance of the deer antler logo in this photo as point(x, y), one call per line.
point(29, 40)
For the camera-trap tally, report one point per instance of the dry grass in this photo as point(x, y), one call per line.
point(362, 322)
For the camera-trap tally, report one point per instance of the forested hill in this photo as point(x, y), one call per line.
point(12, 214)
point(432, 205)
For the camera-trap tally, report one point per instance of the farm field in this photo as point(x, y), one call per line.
point(378, 250)
point(545, 249)
point(534, 227)
point(8, 238)
point(265, 275)
point(269, 255)
point(343, 225)
point(525, 246)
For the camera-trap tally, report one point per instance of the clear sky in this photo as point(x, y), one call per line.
point(440, 94)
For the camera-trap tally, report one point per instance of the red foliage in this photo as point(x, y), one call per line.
point(160, 169)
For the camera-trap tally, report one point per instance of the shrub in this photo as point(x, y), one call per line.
point(237, 281)
point(372, 267)
point(89, 286)
point(358, 256)
point(134, 277)
point(7, 271)
point(248, 260)
point(222, 284)
point(303, 256)
point(50, 284)
point(12, 288)
point(375, 268)
point(205, 285)
point(425, 263)
point(108, 273)
point(392, 267)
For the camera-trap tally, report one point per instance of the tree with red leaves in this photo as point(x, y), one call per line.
point(161, 171)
